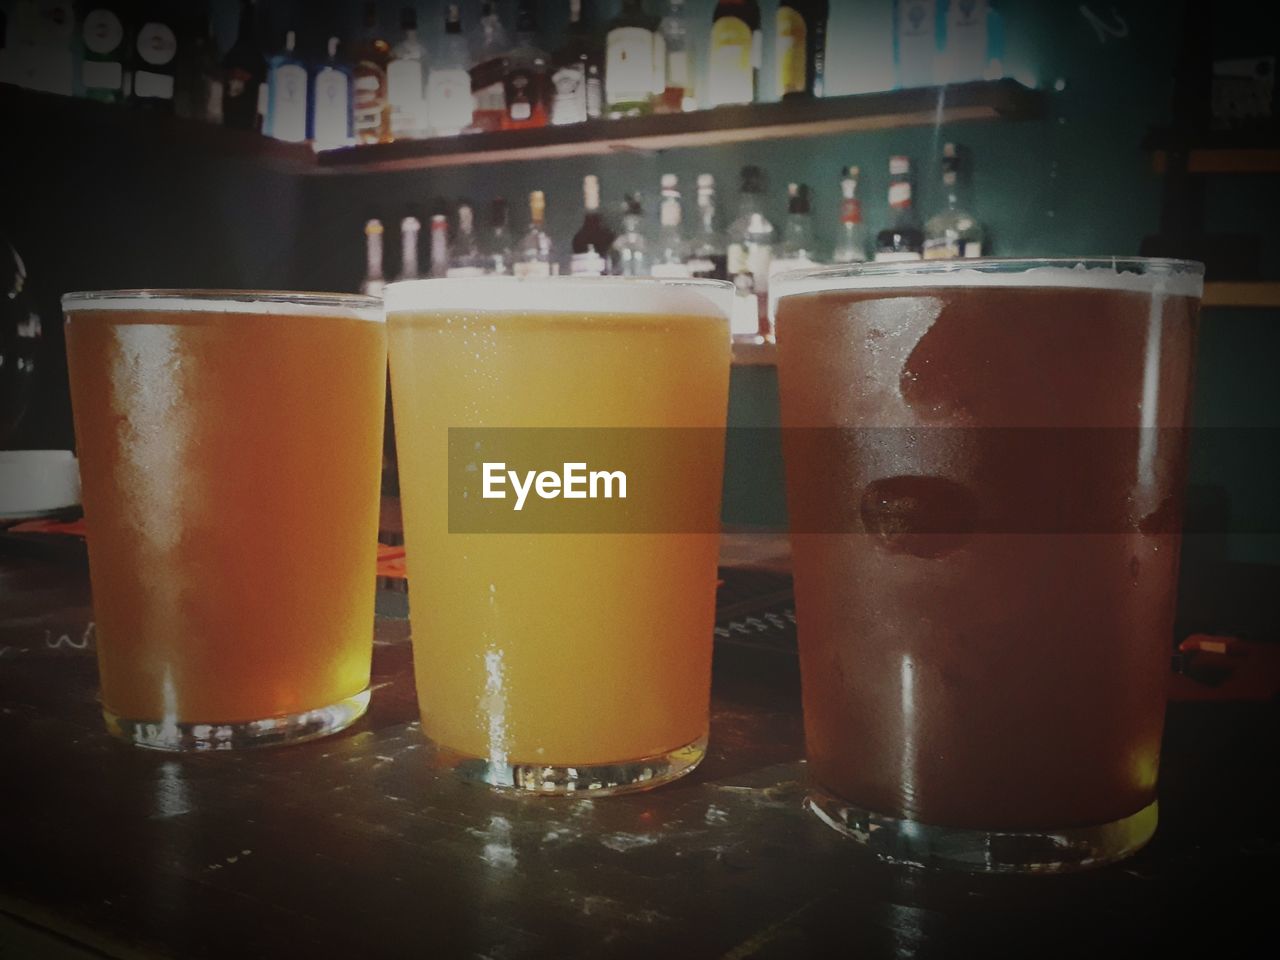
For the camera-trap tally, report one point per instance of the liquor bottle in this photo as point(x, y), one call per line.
point(465, 258)
point(198, 94)
point(406, 81)
point(915, 41)
point(801, 48)
point(525, 81)
point(629, 255)
point(497, 242)
point(373, 281)
point(708, 250)
point(577, 78)
point(671, 252)
point(634, 57)
point(489, 46)
point(410, 228)
point(41, 47)
point(851, 247)
point(154, 67)
point(952, 232)
point(535, 255)
point(104, 44)
point(593, 241)
point(287, 94)
point(733, 65)
point(439, 245)
point(677, 88)
point(332, 120)
point(751, 242)
point(967, 44)
point(797, 249)
point(244, 71)
point(372, 109)
point(902, 239)
point(449, 80)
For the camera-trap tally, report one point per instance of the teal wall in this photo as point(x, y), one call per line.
point(1074, 182)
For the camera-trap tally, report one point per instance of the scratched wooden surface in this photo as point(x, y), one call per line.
point(355, 847)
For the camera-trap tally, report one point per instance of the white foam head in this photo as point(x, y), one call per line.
point(1176, 278)
point(580, 296)
point(256, 302)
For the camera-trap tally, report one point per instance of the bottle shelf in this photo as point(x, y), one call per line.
point(924, 106)
point(1216, 152)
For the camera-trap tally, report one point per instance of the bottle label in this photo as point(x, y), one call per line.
point(156, 45)
point(792, 34)
point(589, 264)
point(370, 96)
point(102, 74)
point(449, 99)
point(404, 84)
point(759, 260)
point(851, 212)
point(154, 86)
point(731, 62)
point(899, 195)
point(102, 32)
point(333, 108)
point(570, 103)
point(972, 249)
point(595, 93)
point(289, 103)
point(916, 20)
point(896, 256)
point(454, 272)
point(701, 267)
point(966, 42)
point(671, 270)
point(677, 70)
point(630, 66)
point(737, 260)
point(521, 91)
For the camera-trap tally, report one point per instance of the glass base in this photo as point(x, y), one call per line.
point(595, 780)
point(289, 728)
point(983, 851)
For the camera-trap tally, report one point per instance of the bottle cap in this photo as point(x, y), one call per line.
point(899, 165)
point(706, 181)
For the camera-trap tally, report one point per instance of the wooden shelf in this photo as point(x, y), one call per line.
point(981, 100)
point(1225, 293)
point(1220, 152)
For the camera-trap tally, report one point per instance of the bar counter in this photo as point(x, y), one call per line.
point(352, 846)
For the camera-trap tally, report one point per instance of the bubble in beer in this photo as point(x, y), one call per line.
point(921, 516)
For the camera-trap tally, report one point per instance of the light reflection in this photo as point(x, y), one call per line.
point(908, 714)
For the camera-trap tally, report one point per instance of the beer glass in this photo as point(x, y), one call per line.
point(558, 658)
point(230, 449)
point(985, 464)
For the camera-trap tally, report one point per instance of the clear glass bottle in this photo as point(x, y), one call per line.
point(902, 239)
point(634, 59)
point(851, 245)
point(105, 51)
point(406, 81)
point(410, 229)
point(953, 232)
point(496, 247)
point(752, 237)
point(797, 249)
point(439, 245)
point(708, 247)
point(449, 79)
point(671, 252)
point(677, 89)
point(489, 45)
point(374, 282)
point(536, 253)
point(465, 258)
point(629, 256)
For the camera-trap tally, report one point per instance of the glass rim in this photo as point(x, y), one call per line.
point(1067, 272)
point(212, 300)
point(428, 294)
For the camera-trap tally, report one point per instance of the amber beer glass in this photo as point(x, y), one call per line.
point(552, 661)
point(985, 462)
point(230, 447)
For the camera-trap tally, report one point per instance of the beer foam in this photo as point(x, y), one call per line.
point(1168, 278)
point(579, 296)
point(302, 305)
